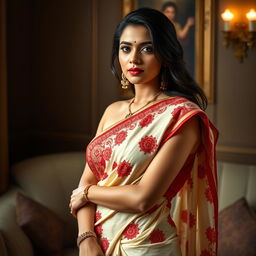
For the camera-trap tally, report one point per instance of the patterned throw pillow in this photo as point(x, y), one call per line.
point(237, 230)
point(43, 227)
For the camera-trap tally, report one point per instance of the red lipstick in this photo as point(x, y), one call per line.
point(135, 71)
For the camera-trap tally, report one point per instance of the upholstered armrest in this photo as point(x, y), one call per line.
point(3, 250)
point(15, 240)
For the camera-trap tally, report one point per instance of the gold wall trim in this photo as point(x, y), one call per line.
point(205, 13)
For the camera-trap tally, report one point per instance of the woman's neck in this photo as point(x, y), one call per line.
point(145, 92)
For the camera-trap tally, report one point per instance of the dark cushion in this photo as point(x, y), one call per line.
point(237, 230)
point(43, 227)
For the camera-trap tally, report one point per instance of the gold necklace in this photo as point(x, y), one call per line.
point(132, 101)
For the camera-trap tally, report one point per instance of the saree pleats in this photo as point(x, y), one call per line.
point(120, 156)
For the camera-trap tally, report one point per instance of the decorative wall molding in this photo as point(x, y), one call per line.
point(241, 155)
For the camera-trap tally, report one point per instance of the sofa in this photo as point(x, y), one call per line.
point(48, 180)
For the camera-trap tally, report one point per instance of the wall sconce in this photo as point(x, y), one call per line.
point(242, 37)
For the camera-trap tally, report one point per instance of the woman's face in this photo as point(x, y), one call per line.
point(170, 13)
point(136, 55)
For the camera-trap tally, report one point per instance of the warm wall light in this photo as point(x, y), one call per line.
point(227, 16)
point(242, 37)
point(251, 16)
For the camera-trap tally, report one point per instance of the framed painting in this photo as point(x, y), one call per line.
point(194, 23)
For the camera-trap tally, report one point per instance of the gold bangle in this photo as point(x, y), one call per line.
point(83, 236)
point(85, 194)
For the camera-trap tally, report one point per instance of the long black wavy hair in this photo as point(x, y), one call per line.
point(167, 47)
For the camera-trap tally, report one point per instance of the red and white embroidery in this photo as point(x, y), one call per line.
point(208, 195)
point(131, 231)
point(146, 121)
point(188, 217)
point(148, 144)
point(157, 236)
point(107, 153)
point(104, 243)
point(98, 230)
point(98, 216)
point(120, 137)
point(114, 165)
point(211, 234)
point(124, 169)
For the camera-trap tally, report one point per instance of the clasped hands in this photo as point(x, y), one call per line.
point(78, 199)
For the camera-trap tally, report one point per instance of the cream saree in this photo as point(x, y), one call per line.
point(184, 220)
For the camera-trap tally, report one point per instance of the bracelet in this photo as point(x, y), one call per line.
point(83, 236)
point(85, 194)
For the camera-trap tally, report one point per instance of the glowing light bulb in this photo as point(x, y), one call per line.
point(227, 16)
point(251, 16)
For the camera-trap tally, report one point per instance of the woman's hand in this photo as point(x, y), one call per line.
point(77, 200)
point(91, 247)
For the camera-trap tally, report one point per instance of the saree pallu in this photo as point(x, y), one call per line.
point(184, 220)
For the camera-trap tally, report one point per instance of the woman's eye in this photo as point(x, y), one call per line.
point(148, 49)
point(125, 49)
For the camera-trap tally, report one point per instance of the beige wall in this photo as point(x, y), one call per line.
point(234, 110)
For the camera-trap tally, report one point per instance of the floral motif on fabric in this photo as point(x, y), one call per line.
point(107, 153)
point(124, 169)
point(98, 216)
point(148, 144)
point(114, 165)
point(146, 121)
point(157, 236)
point(99, 230)
point(104, 243)
point(120, 137)
point(208, 195)
point(177, 110)
point(170, 221)
point(183, 110)
point(131, 231)
point(211, 234)
point(161, 110)
point(104, 176)
point(188, 217)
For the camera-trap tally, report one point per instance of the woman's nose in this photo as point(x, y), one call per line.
point(134, 57)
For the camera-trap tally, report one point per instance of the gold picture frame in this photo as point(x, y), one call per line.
point(204, 42)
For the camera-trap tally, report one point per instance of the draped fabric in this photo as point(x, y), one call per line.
point(184, 220)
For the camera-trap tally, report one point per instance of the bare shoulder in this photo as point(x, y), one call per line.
point(114, 113)
point(117, 106)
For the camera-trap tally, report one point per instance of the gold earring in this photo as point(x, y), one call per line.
point(164, 80)
point(124, 82)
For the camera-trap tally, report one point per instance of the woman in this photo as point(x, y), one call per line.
point(151, 154)
point(169, 9)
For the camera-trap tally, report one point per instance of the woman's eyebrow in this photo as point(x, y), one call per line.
point(142, 43)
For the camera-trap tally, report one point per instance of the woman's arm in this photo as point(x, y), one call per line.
point(184, 31)
point(86, 215)
point(157, 178)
